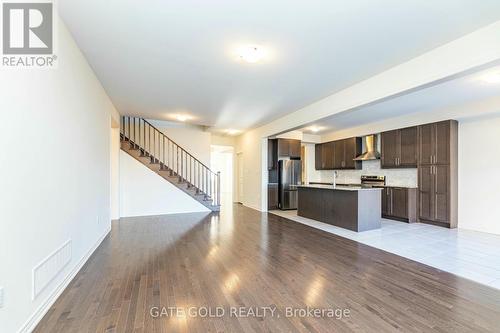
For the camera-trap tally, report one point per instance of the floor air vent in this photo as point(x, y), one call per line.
point(50, 267)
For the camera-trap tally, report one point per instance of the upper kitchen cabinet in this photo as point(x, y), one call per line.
point(272, 154)
point(324, 156)
point(289, 148)
point(352, 149)
point(434, 143)
point(339, 155)
point(399, 148)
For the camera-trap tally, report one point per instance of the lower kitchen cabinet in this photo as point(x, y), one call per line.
point(399, 203)
point(272, 196)
point(434, 194)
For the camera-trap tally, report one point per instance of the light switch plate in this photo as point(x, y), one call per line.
point(1, 297)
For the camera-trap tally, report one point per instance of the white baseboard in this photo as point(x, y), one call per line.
point(30, 325)
point(253, 207)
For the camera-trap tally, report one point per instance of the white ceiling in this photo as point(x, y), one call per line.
point(160, 57)
point(449, 94)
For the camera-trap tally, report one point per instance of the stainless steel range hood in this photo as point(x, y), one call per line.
point(370, 152)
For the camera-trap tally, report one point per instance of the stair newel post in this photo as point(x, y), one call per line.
point(133, 130)
point(184, 165)
point(164, 159)
point(128, 134)
point(196, 177)
point(218, 188)
point(210, 185)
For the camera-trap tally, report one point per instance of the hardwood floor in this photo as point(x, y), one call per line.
point(244, 258)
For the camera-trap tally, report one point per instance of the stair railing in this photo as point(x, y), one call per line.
point(171, 157)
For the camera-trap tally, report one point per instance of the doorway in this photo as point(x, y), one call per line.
point(239, 162)
point(221, 160)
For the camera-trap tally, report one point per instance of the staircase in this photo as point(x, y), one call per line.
point(155, 150)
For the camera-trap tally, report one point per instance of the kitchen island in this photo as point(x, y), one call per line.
point(355, 208)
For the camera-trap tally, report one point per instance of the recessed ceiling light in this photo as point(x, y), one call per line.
point(251, 53)
point(492, 77)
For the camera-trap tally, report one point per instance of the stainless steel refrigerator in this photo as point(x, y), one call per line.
point(289, 176)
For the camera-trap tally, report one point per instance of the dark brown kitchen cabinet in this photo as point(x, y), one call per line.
point(324, 156)
point(352, 149)
point(408, 142)
point(389, 149)
point(289, 148)
point(345, 151)
point(338, 155)
point(434, 193)
point(272, 154)
point(318, 158)
point(327, 155)
point(399, 148)
point(399, 203)
point(272, 196)
point(437, 173)
point(434, 143)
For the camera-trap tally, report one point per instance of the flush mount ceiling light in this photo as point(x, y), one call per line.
point(251, 53)
point(232, 131)
point(182, 117)
point(491, 77)
point(315, 129)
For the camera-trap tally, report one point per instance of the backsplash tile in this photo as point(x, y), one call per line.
point(394, 177)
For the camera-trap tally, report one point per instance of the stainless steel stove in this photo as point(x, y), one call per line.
point(373, 181)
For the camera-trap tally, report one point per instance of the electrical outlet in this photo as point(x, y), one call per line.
point(1, 297)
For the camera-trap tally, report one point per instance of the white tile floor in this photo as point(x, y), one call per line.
point(469, 254)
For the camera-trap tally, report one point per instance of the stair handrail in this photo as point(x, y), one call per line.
point(175, 143)
point(201, 179)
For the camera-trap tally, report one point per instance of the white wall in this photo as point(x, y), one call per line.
point(143, 192)
point(479, 178)
point(115, 173)
point(193, 139)
point(312, 175)
point(55, 167)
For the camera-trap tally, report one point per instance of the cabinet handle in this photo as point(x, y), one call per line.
point(431, 159)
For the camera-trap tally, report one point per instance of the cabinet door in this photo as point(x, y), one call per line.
point(441, 193)
point(328, 151)
point(442, 143)
point(318, 156)
point(283, 148)
point(351, 151)
point(426, 192)
point(272, 196)
point(390, 149)
point(399, 202)
point(408, 147)
point(426, 144)
point(338, 155)
point(308, 203)
point(272, 162)
point(386, 201)
point(294, 148)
